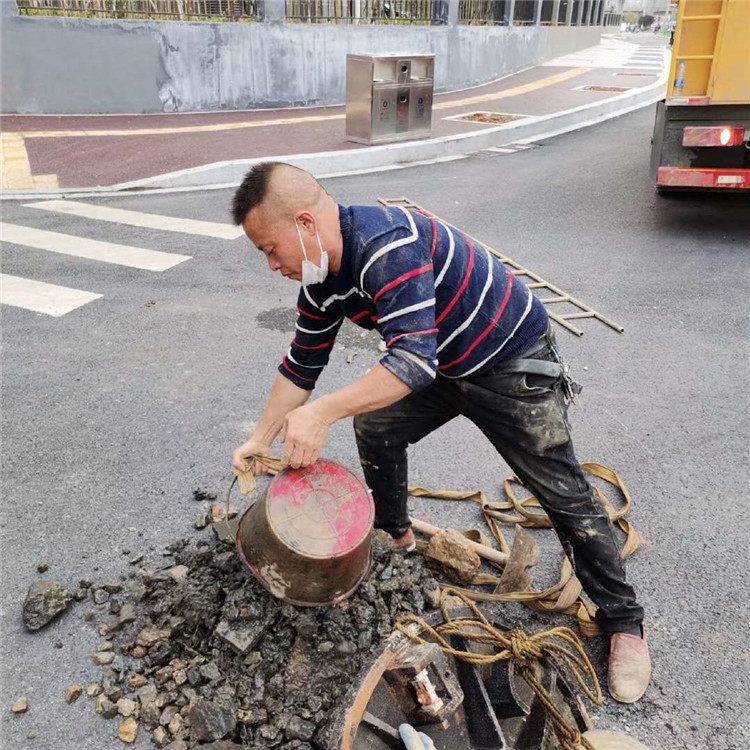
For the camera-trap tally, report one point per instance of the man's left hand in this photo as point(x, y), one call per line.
point(305, 432)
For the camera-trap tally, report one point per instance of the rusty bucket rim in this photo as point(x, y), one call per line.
point(288, 599)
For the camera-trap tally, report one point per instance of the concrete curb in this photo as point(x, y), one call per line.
point(227, 174)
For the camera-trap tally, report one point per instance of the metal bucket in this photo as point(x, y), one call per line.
point(307, 539)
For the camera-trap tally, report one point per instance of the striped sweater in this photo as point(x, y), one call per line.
point(442, 303)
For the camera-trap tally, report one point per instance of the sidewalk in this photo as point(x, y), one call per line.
point(49, 153)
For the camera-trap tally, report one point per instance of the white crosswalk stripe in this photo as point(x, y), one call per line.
point(51, 299)
point(41, 297)
point(141, 219)
point(80, 247)
point(615, 54)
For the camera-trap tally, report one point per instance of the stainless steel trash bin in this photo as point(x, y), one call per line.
point(389, 97)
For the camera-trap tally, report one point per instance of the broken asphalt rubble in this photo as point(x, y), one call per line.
point(200, 655)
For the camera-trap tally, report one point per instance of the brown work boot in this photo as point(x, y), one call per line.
point(629, 669)
point(405, 543)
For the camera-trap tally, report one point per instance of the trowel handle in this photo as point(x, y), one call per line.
point(488, 553)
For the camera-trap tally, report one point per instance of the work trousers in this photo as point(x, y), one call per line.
point(524, 415)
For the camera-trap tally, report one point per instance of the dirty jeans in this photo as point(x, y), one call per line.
point(525, 417)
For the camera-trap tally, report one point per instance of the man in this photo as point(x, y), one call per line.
point(462, 336)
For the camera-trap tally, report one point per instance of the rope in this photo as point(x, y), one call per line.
point(526, 651)
point(246, 481)
point(564, 597)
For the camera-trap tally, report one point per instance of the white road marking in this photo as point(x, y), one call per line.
point(38, 296)
point(80, 247)
point(140, 219)
point(614, 53)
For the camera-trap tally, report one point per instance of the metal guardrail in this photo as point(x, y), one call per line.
point(365, 11)
point(162, 10)
point(530, 12)
point(301, 11)
point(416, 12)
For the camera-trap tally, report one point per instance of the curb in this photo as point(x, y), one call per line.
point(227, 174)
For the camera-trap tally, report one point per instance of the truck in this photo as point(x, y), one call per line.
point(701, 135)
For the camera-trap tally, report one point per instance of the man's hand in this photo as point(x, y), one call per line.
point(251, 448)
point(305, 431)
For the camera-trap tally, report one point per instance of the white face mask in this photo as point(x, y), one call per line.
point(312, 274)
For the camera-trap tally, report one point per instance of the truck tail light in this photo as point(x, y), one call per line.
point(703, 136)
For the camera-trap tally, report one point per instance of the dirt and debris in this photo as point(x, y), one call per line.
point(44, 602)
point(200, 655)
point(493, 118)
point(605, 89)
point(204, 519)
point(21, 706)
point(452, 553)
point(128, 730)
point(73, 693)
point(221, 511)
point(202, 495)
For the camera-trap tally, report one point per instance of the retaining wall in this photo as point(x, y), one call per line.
point(82, 66)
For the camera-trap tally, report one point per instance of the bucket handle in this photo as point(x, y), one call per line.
point(247, 481)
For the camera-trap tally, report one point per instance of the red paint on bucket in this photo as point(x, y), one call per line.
point(323, 510)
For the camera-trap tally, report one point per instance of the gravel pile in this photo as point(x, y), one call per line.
point(200, 655)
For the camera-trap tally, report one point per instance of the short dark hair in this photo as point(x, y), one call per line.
point(253, 190)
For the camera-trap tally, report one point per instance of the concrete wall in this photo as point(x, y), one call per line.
point(70, 65)
point(562, 40)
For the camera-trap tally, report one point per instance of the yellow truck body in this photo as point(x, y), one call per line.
point(701, 135)
point(712, 38)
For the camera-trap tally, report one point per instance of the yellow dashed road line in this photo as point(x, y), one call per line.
point(516, 91)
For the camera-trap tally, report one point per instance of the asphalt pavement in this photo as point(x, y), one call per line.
point(115, 412)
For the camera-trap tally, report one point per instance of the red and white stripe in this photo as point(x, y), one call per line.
point(475, 311)
point(322, 330)
point(465, 283)
point(299, 364)
point(402, 279)
point(406, 310)
point(391, 245)
point(497, 351)
point(423, 364)
point(451, 251)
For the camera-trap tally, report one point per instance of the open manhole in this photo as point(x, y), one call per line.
point(488, 118)
point(604, 89)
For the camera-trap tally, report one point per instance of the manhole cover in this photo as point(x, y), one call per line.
point(512, 148)
point(613, 89)
point(491, 118)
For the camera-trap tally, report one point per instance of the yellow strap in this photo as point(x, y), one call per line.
point(564, 597)
point(246, 478)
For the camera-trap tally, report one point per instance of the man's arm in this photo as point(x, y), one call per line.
point(315, 332)
point(306, 428)
point(285, 397)
point(375, 390)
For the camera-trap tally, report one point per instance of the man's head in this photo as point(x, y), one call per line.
point(277, 205)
